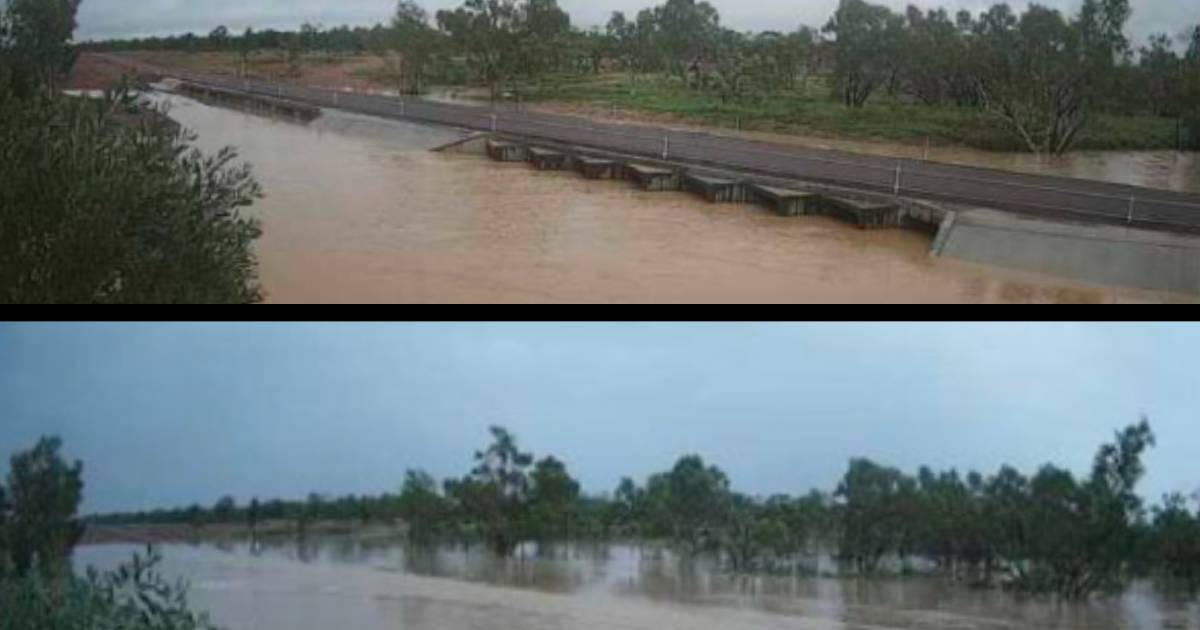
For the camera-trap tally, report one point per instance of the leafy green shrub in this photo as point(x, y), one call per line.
point(105, 201)
point(135, 596)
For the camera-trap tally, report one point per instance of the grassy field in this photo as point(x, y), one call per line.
point(806, 110)
point(809, 110)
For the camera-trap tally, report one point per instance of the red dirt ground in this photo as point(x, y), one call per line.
point(94, 73)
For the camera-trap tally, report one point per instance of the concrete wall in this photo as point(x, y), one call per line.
point(1100, 254)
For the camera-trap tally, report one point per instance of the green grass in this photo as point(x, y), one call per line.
point(809, 110)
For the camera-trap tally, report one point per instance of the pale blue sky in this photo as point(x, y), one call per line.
point(169, 414)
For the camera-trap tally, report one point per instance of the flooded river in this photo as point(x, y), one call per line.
point(358, 210)
point(352, 583)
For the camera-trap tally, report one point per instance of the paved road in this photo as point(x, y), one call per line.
point(1045, 196)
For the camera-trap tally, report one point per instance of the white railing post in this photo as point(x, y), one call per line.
point(493, 123)
point(402, 106)
point(1129, 219)
point(666, 147)
point(896, 186)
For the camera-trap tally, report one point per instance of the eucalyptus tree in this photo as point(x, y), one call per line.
point(1161, 69)
point(865, 50)
point(423, 509)
point(635, 42)
point(415, 41)
point(1067, 536)
point(218, 38)
point(872, 521)
point(506, 39)
point(245, 48)
point(693, 499)
point(553, 499)
point(45, 494)
point(740, 535)
point(1176, 541)
point(1189, 91)
point(503, 490)
point(36, 39)
point(253, 514)
point(223, 510)
point(685, 34)
point(1038, 74)
point(542, 33)
point(628, 508)
point(780, 58)
point(934, 65)
point(736, 62)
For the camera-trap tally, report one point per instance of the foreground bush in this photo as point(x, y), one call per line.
point(106, 201)
point(132, 597)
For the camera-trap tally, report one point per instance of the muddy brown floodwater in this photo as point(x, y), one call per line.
point(348, 582)
point(358, 210)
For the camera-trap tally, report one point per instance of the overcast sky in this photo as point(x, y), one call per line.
point(170, 414)
point(99, 19)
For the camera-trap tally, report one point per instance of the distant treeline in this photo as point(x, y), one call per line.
point(1045, 532)
point(1040, 75)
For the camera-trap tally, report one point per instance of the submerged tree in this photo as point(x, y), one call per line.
point(421, 507)
point(871, 516)
point(553, 499)
point(499, 500)
point(1176, 541)
point(695, 502)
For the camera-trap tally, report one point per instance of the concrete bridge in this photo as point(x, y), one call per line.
point(713, 185)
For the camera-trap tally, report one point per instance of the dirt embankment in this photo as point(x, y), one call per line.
point(342, 72)
point(92, 72)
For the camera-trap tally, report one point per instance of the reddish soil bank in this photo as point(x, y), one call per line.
point(94, 73)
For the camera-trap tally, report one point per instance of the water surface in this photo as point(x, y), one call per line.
point(349, 582)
